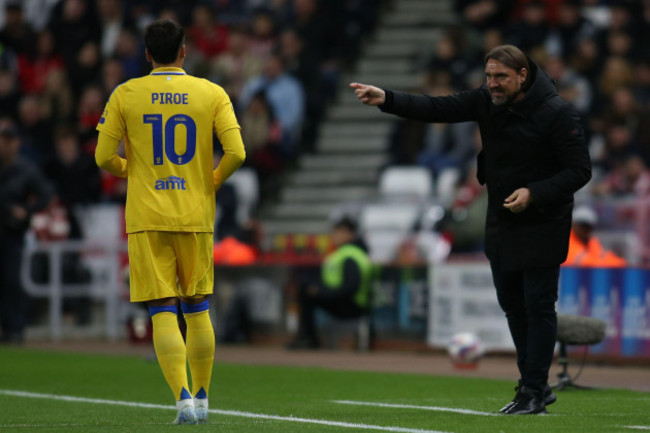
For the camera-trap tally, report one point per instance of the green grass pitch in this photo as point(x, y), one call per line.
point(306, 393)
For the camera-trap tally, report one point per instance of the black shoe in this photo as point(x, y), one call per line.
point(528, 402)
point(549, 397)
point(303, 343)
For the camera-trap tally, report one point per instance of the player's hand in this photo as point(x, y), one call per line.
point(518, 201)
point(369, 95)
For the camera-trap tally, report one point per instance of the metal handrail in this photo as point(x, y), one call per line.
point(56, 289)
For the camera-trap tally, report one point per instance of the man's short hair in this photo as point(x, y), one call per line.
point(510, 56)
point(346, 223)
point(163, 39)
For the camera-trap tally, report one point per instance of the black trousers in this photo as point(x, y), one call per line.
point(528, 298)
point(334, 305)
point(13, 300)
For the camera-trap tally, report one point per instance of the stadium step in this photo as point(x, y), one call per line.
point(425, 36)
point(334, 177)
point(313, 162)
point(371, 144)
point(360, 111)
point(348, 130)
point(294, 194)
point(299, 225)
point(352, 145)
point(395, 66)
point(424, 5)
point(300, 211)
point(419, 19)
point(402, 50)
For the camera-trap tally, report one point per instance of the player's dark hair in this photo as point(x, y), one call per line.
point(164, 39)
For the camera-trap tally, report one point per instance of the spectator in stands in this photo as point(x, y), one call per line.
point(57, 99)
point(208, 36)
point(129, 51)
point(74, 24)
point(532, 30)
point(113, 22)
point(343, 289)
point(484, 14)
point(586, 60)
point(286, 97)
point(630, 177)
point(23, 191)
point(448, 57)
point(9, 94)
point(585, 249)
point(36, 129)
point(642, 81)
point(34, 67)
point(85, 68)
point(239, 249)
point(624, 109)
point(75, 174)
point(262, 134)
point(89, 111)
point(17, 34)
point(464, 220)
point(571, 28)
point(263, 34)
point(447, 146)
point(112, 75)
point(617, 73)
point(233, 68)
point(571, 86)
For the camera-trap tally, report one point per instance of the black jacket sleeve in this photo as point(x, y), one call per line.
point(569, 146)
point(460, 107)
point(40, 190)
point(350, 285)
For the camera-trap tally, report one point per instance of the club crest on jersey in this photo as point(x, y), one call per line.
point(171, 182)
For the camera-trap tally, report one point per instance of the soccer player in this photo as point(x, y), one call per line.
point(167, 121)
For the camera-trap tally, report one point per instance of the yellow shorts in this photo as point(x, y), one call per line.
point(170, 264)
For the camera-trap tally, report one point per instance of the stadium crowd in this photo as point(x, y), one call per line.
point(61, 59)
point(593, 51)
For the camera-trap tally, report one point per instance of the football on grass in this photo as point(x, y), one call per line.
point(465, 349)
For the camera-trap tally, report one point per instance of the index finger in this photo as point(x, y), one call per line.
point(358, 86)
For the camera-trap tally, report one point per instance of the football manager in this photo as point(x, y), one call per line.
point(534, 158)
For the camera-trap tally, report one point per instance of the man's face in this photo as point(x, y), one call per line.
point(583, 231)
point(9, 148)
point(341, 236)
point(503, 82)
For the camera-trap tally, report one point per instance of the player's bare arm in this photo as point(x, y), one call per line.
point(369, 95)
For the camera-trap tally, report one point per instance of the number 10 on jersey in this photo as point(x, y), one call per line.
point(167, 134)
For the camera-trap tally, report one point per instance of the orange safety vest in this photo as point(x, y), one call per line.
point(592, 255)
point(232, 252)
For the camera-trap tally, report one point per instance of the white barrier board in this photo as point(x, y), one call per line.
point(462, 298)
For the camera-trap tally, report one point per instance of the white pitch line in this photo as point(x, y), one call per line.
point(638, 427)
point(410, 406)
point(236, 413)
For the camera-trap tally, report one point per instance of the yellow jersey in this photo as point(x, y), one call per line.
point(167, 121)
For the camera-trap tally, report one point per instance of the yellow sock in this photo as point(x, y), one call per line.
point(200, 351)
point(171, 352)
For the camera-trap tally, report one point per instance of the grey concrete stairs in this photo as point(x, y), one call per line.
point(353, 140)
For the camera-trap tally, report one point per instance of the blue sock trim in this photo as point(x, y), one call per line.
point(201, 394)
point(162, 308)
point(185, 394)
point(195, 308)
